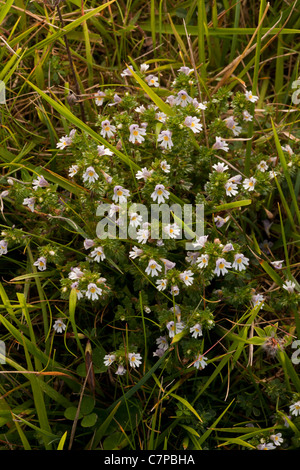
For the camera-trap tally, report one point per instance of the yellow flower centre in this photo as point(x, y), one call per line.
point(166, 138)
point(159, 192)
point(119, 192)
point(239, 260)
point(92, 290)
point(135, 132)
point(192, 124)
point(91, 173)
point(107, 128)
point(221, 265)
point(183, 97)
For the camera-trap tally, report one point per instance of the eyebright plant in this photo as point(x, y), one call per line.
point(143, 298)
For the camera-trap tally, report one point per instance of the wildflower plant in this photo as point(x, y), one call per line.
point(149, 301)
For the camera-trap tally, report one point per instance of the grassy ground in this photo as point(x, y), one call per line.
point(56, 392)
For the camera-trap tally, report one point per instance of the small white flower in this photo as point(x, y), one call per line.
point(90, 175)
point(73, 170)
point(168, 264)
point(192, 257)
point(40, 182)
point(262, 166)
point(113, 209)
point(264, 446)
point(250, 97)
point(193, 123)
point(108, 130)
point(277, 264)
point(197, 105)
point(153, 268)
point(161, 284)
point(102, 150)
point(185, 70)
point(165, 138)
point(183, 99)
point(200, 361)
point(140, 109)
point(41, 263)
point(196, 330)
point(228, 247)
point(142, 235)
point(109, 359)
point(232, 125)
point(59, 326)
point(221, 265)
point(170, 100)
point(135, 360)
point(98, 254)
point(237, 179)
point(165, 166)
point(160, 194)
point(152, 80)
point(289, 286)
point(117, 100)
point(174, 328)
point(172, 230)
point(143, 174)
point(220, 167)
point(3, 247)
point(120, 194)
point(135, 219)
point(144, 67)
point(220, 144)
point(121, 370)
point(295, 408)
point(136, 133)
point(247, 116)
point(230, 188)
point(200, 242)
point(174, 290)
point(249, 183)
point(29, 201)
point(162, 342)
point(100, 95)
point(75, 274)
point(75, 286)
point(277, 439)
point(220, 221)
point(93, 291)
point(287, 148)
point(162, 117)
point(202, 261)
point(187, 277)
point(135, 253)
point(258, 299)
point(127, 72)
point(240, 262)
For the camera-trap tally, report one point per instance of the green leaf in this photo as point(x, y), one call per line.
point(89, 420)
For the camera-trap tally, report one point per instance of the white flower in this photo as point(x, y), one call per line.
point(288, 149)
point(98, 254)
point(161, 284)
point(200, 361)
point(165, 137)
point(193, 123)
point(161, 117)
point(40, 182)
point(230, 188)
point(152, 80)
point(202, 261)
point(237, 179)
point(174, 329)
point(140, 109)
point(117, 100)
point(153, 268)
point(240, 262)
point(262, 166)
point(3, 247)
point(192, 257)
point(170, 100)
point(187, 277)
point(249, 183)
point(258, 299)
point(73, 170)
point(75, 286)
point(143, 174)
point(162, 342)
point(200, 242)
point(174, 290)
point(277, 439)
point(250, 97)
point(264, 446)
point(136, 133)
point(165, 166)
point(59, 326)
point(75, 274)
point(142, 235)
point(108, 129)
point(144, 67)
point(160, 194)
point(66, 140)
point(295, 408)
point(113, 209)
point(135, 360)
point(90, 175)
point(172, 230)
point(93, 291)
point(289, 286)
point(102, 150)
point(185, 70)
point(247, 116)
point(232, 125)
point(220, 167)
point(228, 247)
point(109, 359)
point(100, 95)
point(220, 221)
point(135, 219)
point(221, 265)
point(277, 264)
point(127, 72)
point(135, 253)
point(41, 263)
point(183, 99)
point(196, 330)
point(196, 104)
point(168, 264)
point(29, 201)
point(220, 144)
point(120, 194)
point(121, 370)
